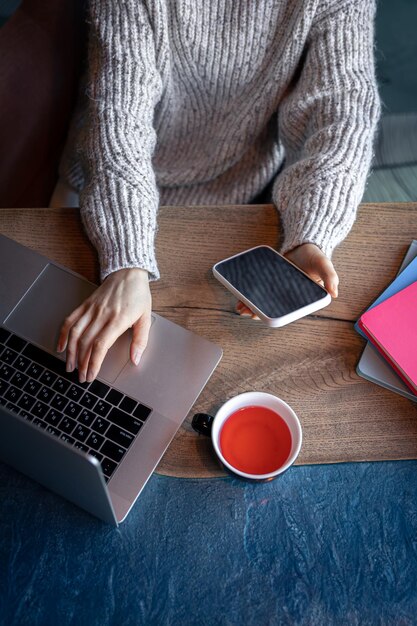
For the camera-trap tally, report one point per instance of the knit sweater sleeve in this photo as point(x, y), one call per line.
point(120, 198)
point(327, 124)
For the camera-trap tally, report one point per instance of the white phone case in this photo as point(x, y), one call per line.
point(274, 322)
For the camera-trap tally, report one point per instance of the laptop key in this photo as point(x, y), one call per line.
point(101, 425)
point(142, 412)
point(45, 394)
point(59, 402)
point(19, 379)
point(88, 400)
point(26, 402)
point(16, 343)
point(72, 409)
point(124, 420)
point(48, 378)
point(6, 372)
point(67, 425)
point(75, 392)
point(86, 417)
point(94, 441)
point(21, 363)
point(118, 435)
point(128, 404)
point(108, 467)
point(53, 417)
point(3, 401)
point(8, 356)
point(114, 397)
point(34, 370)
point(81, 432)
point(61, 385)
point(3, 387)
point(113, 451)
point(13, 394)
point(32, 386)
point(80, 446)
point(39, 409)
point(102, 408)
point(99, 388)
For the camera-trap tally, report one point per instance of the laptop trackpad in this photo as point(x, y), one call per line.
point(39, 315)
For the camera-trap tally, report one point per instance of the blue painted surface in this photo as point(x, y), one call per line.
point(323, 545)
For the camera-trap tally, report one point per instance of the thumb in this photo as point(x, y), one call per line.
point(140, 338)
point(323, 266)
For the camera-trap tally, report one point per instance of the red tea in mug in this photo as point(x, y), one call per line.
point(255, 440)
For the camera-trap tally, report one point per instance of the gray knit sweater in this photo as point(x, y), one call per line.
point(207, 101)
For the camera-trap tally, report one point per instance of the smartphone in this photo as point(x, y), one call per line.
point(271, 286)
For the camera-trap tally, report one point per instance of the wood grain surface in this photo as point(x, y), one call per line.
point(310, 363)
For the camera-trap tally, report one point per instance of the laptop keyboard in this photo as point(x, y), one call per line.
point(92, 417)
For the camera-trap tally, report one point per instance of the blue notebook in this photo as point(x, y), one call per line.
point(372, 365)
point(407, 275)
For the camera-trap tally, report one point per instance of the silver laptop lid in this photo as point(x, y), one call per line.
point(55, 464)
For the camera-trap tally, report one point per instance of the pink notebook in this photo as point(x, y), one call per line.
point(392, 328)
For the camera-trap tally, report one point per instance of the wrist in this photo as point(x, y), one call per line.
point(306, 245)
point(128, 273)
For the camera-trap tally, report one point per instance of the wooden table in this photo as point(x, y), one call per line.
point(310, 364)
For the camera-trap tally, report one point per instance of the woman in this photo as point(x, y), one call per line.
point(198, 101)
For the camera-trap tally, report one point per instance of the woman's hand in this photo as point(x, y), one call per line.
point(317, 265)
point(313, 262)
point(122, 301)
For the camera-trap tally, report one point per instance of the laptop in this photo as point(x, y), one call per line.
point(95, 443)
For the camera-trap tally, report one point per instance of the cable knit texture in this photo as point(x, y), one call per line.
point(193, 102)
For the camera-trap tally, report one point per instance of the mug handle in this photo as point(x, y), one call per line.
point(202, 423)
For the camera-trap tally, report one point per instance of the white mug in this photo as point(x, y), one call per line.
point(205, 424)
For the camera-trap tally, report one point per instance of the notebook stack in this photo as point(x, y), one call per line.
point(389, 324)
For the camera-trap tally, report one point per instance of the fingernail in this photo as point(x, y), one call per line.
point(59, 348)
point(69, 367)
point(137, 356)
point(81, 377)
point(245, 314)
point(90, 376)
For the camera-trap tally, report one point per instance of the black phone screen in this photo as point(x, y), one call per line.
point(270, 282)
